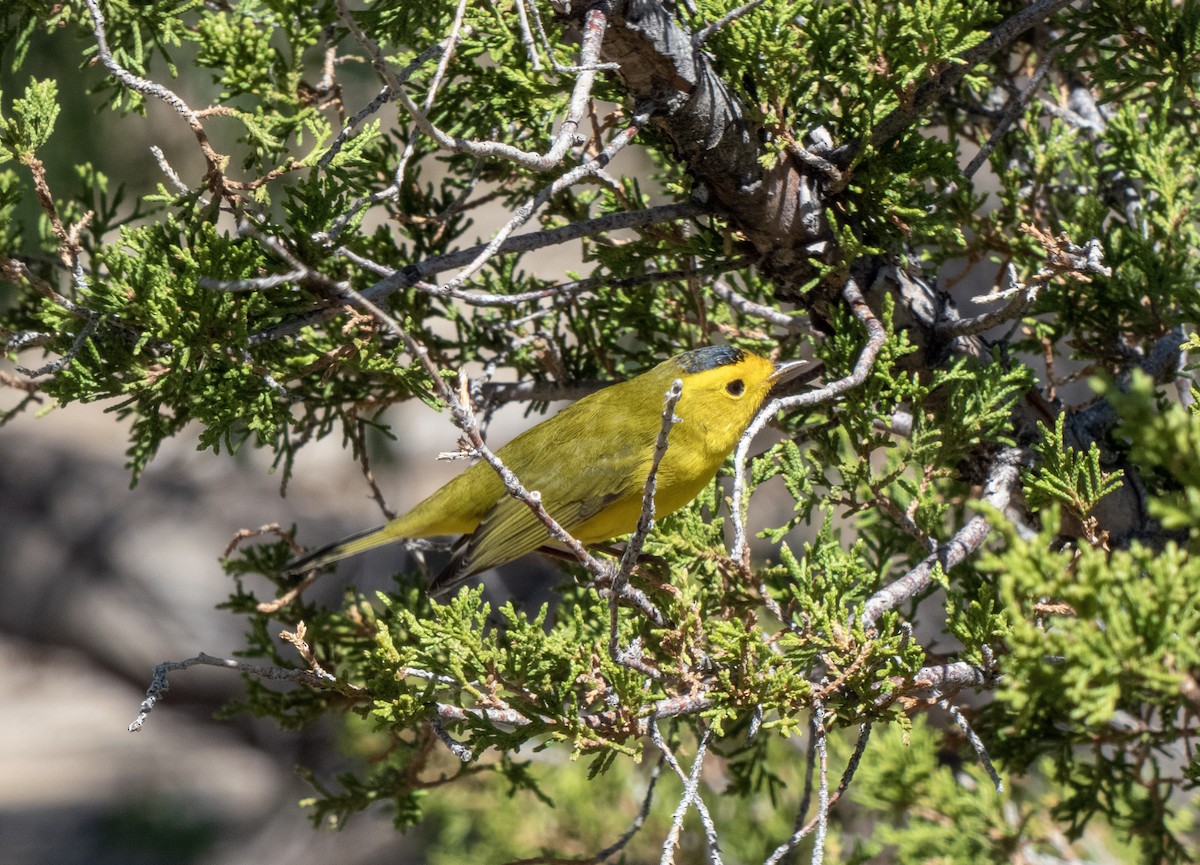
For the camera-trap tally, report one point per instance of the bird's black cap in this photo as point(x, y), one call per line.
point(709, 357)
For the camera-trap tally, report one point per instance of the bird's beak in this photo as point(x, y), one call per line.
point(787, 370)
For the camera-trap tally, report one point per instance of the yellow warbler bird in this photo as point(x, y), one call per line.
point(589, 462)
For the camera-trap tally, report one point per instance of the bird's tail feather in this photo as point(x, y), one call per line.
point(456, 572)
point(346, 547)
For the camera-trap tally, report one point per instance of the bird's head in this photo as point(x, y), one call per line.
point(723, 388)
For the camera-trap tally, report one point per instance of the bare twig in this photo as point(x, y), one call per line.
point(1063, 259)
point(159, 684)
point(18, 271)
point(1001, 482)
point(406, 277)
point(645, 525)
point(549, 49)
point(630, 219)
point(579, 286)
point(27, 339)
point(382, 98)
point(458, 749)
point(499, 717)
point(257, 283)
point(619, 845)
point(802, 831)
point(444, 50)
point(1014, 107)
point(940, 681)
point(724, 21)
point(364, 461)
point(32, 395)
point(89, 326)
point(792, 322)
point(1022, 296)
point(976, 743)
point(70, 250)
point(523, 213)
point(271, 607)
point(595, 24)
point(535, 62)
point(215, 162)
point(171, 174)
point(30, 387)
point(645, 522)
point(930, 680)
point(439, 74)
point(823, 784)
point(947, 679)
point(562, 289)
point(691, 794)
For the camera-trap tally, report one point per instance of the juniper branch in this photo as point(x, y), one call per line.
point(997, 491)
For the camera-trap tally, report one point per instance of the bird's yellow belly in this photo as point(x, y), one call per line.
point(621, 517)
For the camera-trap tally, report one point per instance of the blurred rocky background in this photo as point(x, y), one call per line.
point(99, 584)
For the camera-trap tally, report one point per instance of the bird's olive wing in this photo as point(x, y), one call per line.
point(508, 532)
point(510, 529)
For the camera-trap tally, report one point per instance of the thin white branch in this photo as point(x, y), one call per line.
point(257, 283)
point(646, 520)
point(819, 731)
point(89, 326)
point(1014, 107)
point(382, 98)
point(691, 794)
point(980, 749)
point(402, 278)
point(159, 684)
point(638, 821)
point(150, 88)
point(549, 49)
point(500, 717)
point(1002, 481)
point(803, 829)
point(458, 749)
point(523, 213)
point(444, 50)
point(793, 322)
point(561, 290)
point(527, 40)
point(1020, 298)
point(721, 23)
point(594, 25)
point(633, 549)
point(171, 174)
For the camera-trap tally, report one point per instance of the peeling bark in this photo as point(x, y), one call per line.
point(780, 209)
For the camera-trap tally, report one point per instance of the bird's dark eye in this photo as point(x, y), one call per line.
point(736, 387)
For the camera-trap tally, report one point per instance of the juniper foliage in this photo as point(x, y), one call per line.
point(995, 517)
